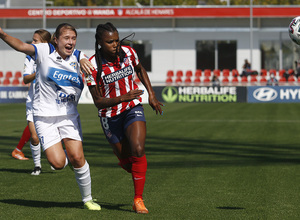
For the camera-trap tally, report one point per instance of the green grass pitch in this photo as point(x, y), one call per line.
point(205, 161)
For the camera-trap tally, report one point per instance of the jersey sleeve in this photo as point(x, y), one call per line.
point(135, 58)
point(83, 55)
point(28, 66)
point(41, 50)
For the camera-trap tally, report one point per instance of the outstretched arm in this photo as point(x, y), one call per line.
point(143, 76)
point(17, 44)
point(102, 102)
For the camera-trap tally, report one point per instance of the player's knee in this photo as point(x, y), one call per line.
point(57, 165)
point(77, 160)
point(35, 140)
point(138, 151)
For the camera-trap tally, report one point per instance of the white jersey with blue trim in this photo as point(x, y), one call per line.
point(29, 68)
point(58, 82)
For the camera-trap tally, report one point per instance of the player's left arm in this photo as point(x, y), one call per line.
point(143, 76)
point(28, 78)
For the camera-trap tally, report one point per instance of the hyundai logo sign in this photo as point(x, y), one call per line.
point(265, 94)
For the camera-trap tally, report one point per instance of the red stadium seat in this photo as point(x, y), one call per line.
point(18, 74)
point(263, 79)
point(178, 80)
point(1, 74)
point(263, 72)
point(225, 79)
point(15, 82)
point(198, 73)
point(235, 79)
point(169, 80)
point(291, 79)
point(253, 78)
point(226, 72)
point(188, 80)
point(170, 73)
point(206, 79)
point(282, 79)
point(197, 80)
point(235, 72)
point(179, 73)
point(244, 79)
point(281, 72)
point(291, 71)
point(189, 73)
point(207, 72)
point(217, 72)
point(8, 74)
point(6, 82)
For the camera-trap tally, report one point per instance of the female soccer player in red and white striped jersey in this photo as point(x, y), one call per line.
point(124, 123)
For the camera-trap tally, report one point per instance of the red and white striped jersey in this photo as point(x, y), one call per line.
point(116, 80)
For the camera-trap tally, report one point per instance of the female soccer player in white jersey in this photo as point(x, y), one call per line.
point(57, 91)
point(123, 124)
point(39, 36)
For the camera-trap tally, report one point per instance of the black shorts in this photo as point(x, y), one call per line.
point(114, 128)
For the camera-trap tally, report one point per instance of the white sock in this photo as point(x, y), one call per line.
point(67, 159)
point(83, 178)
point(36, 154)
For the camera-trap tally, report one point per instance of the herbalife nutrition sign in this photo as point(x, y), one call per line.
point(188, 94)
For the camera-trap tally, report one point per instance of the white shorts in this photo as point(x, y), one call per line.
point(52, 130)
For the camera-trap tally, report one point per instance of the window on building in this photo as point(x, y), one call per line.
point(270, 54)
point(212, 54)
point(205, 54)
point(290, 54)
point(143, 49)
point(227, 54)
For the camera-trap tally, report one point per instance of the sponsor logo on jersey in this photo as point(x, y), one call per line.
point(74, 65)
point(65, 78)
point(120, 74)
point(126, 61)
point(64, 98)
point(58, 59)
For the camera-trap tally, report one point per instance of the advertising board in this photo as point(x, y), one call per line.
point(273, 94)
point(202, 94)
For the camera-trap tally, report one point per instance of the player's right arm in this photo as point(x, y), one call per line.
point(17, 44)
point(102, 102)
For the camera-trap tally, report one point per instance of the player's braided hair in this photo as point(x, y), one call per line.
point(101, 28)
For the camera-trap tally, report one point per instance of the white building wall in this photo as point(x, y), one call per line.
point(171, 48)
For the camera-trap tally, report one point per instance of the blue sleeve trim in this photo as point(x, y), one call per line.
point(77, 54)
point(28, 57)
point(51, 48)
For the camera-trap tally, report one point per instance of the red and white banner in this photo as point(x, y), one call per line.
point(222, 12)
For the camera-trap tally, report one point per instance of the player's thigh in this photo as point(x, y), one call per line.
point(56, 155)
point(136, 135)
point(75, 153)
